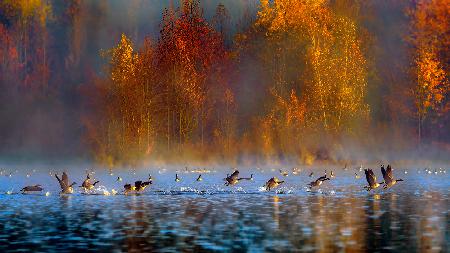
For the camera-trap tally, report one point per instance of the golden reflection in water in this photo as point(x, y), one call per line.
point(334, 224)
point(276, 211)
point(137, 225)
point(430, 235)
point(376, 209)
point(352, 224)
point(312, 223)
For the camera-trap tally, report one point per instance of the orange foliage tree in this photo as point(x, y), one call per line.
point(430, 38)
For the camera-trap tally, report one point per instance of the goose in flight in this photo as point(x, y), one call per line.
point(137, 187)
point(140, 186)
point(371, 180)
point(177, 179)
point(389, 180)
point(272, 183)
point(87, 185)
point(32, 188)
point(127, 188)
point(199, 178)
point(64, 183)
point(318, 181)
point(234, 178)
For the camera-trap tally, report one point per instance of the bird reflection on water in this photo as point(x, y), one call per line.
point(410, 218)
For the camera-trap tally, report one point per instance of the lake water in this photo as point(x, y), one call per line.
point(206, 216)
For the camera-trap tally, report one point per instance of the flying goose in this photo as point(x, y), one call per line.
point(87, 185)
point(177, 179)
point(128, 188)
point(389, 180)
point(64, 183)
point(371, 180)
point(137, 187)
point(140, 186)
point(32, 188)
point(233, 178)
point(318, 181)
point(199, 178)
point(272, 183)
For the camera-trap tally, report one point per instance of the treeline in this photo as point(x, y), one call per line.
point(165, 97)
point(300, 81)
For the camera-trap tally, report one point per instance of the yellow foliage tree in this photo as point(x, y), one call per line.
point(332, 79)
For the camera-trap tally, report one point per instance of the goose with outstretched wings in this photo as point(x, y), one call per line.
point(388, 177)
point(371, 180)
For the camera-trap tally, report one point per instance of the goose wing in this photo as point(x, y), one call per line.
point(234, 175)
point(137, 184)
point(383, 171)
point(65, 179)
point(386, 177)
point(389, 172)
point(370, 176)
point(61, 183)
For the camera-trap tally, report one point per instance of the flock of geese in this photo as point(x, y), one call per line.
point(230, 180)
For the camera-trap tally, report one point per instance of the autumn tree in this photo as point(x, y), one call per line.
point(189, 49)
point(430, 39)
point(313, 57)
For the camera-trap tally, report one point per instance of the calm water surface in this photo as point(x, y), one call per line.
point(206, 216)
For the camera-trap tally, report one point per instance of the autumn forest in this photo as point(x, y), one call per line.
point(298, 81)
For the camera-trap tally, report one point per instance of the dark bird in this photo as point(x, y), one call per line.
point(318, 181)
point(311, 174)
point(140, 186)
point(199, 178)
point(272, 183)
point(32, 188)
point(177, 179)
point(127, 188)
point(64, 183)
point(87, 185)
point(371, 180)
point(119, 179)
point(234, 178)
point(389, 180)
